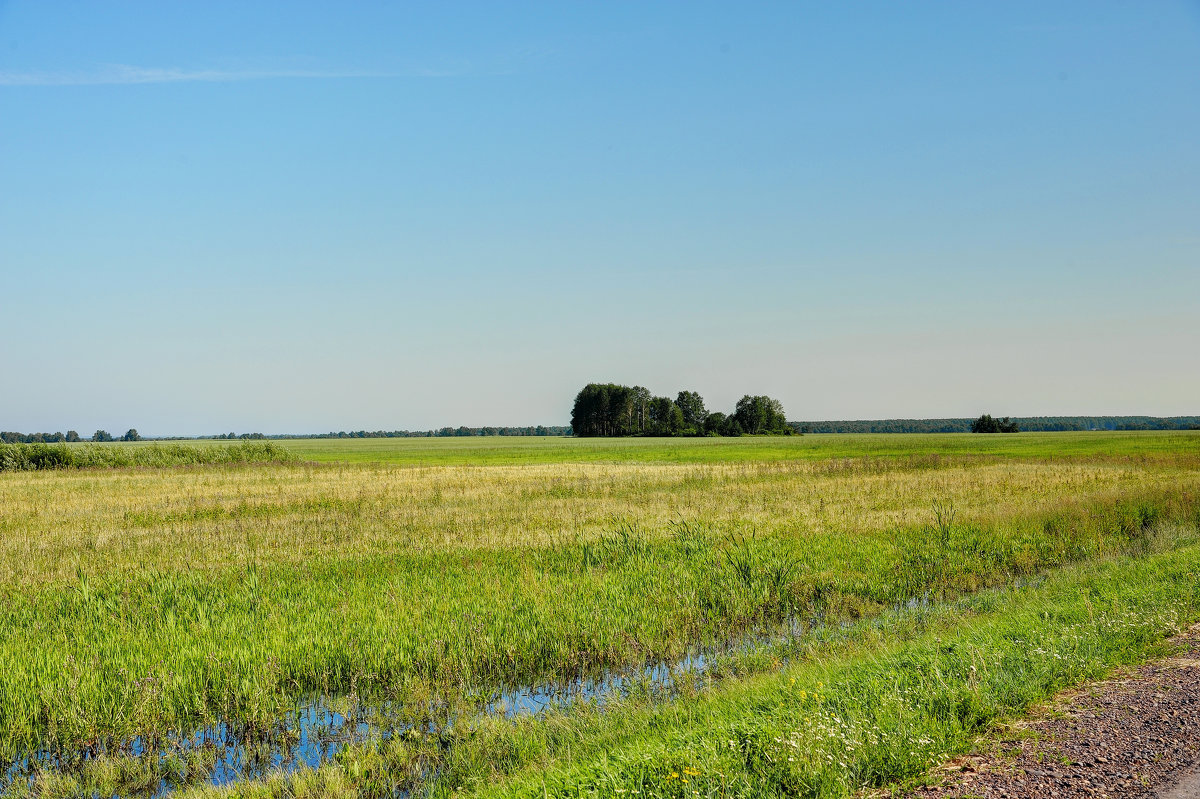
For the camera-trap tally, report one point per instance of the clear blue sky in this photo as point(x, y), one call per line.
point(302, 217)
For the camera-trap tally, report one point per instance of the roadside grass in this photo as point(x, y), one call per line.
point(878, 708)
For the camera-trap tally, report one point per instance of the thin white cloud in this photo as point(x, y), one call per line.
point(123, 74)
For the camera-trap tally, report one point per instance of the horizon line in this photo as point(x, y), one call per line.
point(327, 433)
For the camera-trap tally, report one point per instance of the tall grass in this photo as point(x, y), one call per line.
point(107, 657)
point(856, 707)
point(879, 706)
point(33, 457)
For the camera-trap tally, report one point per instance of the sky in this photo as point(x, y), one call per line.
point(302, 217)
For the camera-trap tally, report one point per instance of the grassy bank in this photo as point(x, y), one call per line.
point(877, 708)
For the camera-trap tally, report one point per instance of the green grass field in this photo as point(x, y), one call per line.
point(516, 450)
point(419, 575)
point(520, 450)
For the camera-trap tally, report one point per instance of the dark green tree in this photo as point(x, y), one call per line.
point(72, 436)
point(641, 409)
point(732, 427)
point(609, 409)
point(101, 435)
point(691, 405)
point(714, 423)
point(666, 419)
point(986, 424)
point(761, 414)
point(604, 409)
point(131, 435)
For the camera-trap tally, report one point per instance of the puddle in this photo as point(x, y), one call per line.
point(314, 733)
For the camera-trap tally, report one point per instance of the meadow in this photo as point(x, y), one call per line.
point(421, 576)
point(501, 450)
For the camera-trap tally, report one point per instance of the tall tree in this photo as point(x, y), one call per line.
point(714, 423)
point(641, 405)
point(691, 405)
point(620, 410)
point(761, 414)
point(665, 417)
point(610, 409)
point(603, 409)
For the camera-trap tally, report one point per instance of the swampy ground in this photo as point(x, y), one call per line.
point(409, 582)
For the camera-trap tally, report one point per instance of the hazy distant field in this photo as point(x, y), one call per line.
point(416, 576)
point(520, 449)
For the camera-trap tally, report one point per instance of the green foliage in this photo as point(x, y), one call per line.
point(714, 423)
point(609, 409)
point(761, 415)
point(986, 424)
point(29, 457)
point(666, 418)
point(691, 406)
point(33, 457)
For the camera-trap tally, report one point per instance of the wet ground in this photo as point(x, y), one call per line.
point(315, 731)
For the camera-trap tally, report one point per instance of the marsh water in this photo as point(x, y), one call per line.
point(313, 733)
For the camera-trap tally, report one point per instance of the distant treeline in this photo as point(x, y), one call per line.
point(33, 457)
point(685, 415)
point(69, 437)
point(9, 437)
point(1025, 423)
point(609, 409)
point(444, 432)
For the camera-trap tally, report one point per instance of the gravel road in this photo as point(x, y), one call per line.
point(1187, 788)
point(1137, 735)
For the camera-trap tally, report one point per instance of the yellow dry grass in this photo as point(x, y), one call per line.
point(54, 525)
